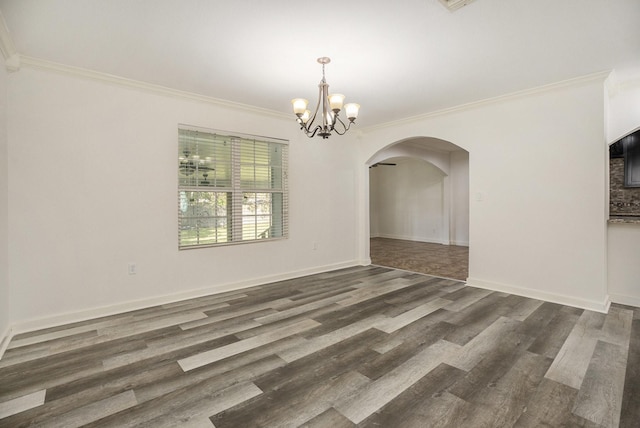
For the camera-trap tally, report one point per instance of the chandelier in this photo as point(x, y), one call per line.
point(331, 106)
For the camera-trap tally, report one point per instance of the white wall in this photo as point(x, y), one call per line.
point(538, 189)
point(4, 187)
point(624, 263)
point(374, 203)
point(623, 106)
point(408, 201)
point(623, 247)
point(93, 187)
point(459, 182)
point(455, 166)
point(92, 167)
point(438, 158)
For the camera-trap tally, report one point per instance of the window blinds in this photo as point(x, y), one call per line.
point(231, 188)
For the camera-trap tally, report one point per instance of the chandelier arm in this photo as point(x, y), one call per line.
point(315, 113)
point(303, 125)
point(345, 128)
point(313, 134)
point(341, 133)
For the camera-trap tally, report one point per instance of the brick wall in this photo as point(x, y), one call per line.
point(622, 200)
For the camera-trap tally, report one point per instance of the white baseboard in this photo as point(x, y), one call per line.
point(78, 316)
point(414, 238)
point(592, 305)
point(625, 300)
point(419, 239)
point(5, 339)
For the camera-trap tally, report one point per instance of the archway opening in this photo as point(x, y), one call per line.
point(419, 207)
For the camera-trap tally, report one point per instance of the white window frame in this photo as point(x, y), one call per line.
point(240, 195)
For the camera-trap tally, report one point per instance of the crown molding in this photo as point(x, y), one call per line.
point(627, 84)
point(16, 61)
point(84, 73)
point(602, 75)
point(6, 42)
point(615, 84)
point(453, 5)
point(8, 49)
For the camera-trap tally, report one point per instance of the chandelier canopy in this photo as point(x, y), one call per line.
point(329, 120)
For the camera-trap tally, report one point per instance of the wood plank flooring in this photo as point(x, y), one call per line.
point(358, 347)
point(446, 261)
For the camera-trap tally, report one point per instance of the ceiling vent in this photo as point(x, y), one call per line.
point(455, 4)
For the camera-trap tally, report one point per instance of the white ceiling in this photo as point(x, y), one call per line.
point(396, 58)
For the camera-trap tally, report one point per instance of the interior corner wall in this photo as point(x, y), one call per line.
point(623, 110)
point(374, 203)
point(93, 187)
point(624, 263)
point(4, 210)
point(459, 175)
point(537, 177)
point(623, 246)
point(408, 201)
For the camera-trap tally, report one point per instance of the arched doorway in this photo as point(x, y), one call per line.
point(419, 207)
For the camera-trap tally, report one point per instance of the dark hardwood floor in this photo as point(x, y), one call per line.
point(364, 346)
point(446, 261)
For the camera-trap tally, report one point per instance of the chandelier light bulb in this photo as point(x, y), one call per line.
point(351, 110)
point(330, 117)
point(336, 101)
point(299, 105)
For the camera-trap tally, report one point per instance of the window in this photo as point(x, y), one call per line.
point(231, 188)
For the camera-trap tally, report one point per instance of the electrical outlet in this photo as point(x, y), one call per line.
point(133, 269)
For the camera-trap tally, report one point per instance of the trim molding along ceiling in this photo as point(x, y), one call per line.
point(8, 49)
point(27, 61)
point(455, 4)
point(601, 75)
point(13, 62)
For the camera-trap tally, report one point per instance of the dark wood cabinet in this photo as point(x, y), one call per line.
point(632, 160)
